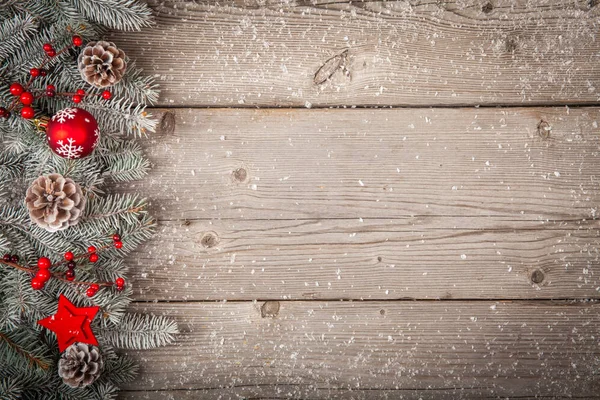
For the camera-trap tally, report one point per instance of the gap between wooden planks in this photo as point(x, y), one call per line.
point(372, 204)
point(375, 350)
point(389, 53)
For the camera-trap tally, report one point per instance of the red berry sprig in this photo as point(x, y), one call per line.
point(26, 97)
point(42, 272)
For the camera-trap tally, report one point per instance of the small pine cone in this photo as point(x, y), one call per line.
point(80, 364)
point(101, 64)
point(55, 202)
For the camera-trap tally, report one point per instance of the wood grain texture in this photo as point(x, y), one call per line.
point(417, 258)
point(266, 53)
point(526, 163)
point(385, 349)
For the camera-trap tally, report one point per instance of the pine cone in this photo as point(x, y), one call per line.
point(80, 364)
point(54, 202)
point(101, 64)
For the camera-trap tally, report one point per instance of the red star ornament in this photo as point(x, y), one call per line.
point(71, 324)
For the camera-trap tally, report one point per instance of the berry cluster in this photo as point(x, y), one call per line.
point(43, 273)
point(26, 97)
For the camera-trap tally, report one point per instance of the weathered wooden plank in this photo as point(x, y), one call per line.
point(271, 53)
point(530, 163)
point(419, 258)
point(388, 349)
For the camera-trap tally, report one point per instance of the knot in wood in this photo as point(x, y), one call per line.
point(240, 175)
point(544, 129)
point(537, 276)
point(269, 309)
point(209, 239)
point(487, 8)
point(167, 123)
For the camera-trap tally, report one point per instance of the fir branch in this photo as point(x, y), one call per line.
point(14, 32)
point(137, 331)
point(29, 356)
point(128, 15)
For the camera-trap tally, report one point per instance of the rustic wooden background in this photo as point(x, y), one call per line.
point(373, 199)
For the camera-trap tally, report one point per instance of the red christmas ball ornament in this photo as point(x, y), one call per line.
point(27, 112)
point(26, 98)
point(16, 89)
point(72, 133)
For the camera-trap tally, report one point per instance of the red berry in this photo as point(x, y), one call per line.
point(76, 99)
point(71, 265)
point(93, 257)
point(81, 92)
point(77, 40)
point(116, 237)
point(118, 244)
point(44, 263)
point(70, 275)
point(43, 72)
point(47, 47)
point(95, 287)
point(91, 249)
point(50, 87)
point(51, 53)
point(4, 112)
point(27, 112)
point(34, 72)
point(43, 275)
point(6, 257)
point(90, 292)
point(50, 93)
point(16, 89)
point(26, 98)
point(106, 95)
point(14, 258)
point(37, 284)
point(120, 282)
point(69, 256)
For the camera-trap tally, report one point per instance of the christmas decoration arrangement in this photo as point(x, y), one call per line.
point(72, 107)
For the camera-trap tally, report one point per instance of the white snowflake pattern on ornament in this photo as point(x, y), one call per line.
point(97, 136)
point(69, 150)
point(64, 114)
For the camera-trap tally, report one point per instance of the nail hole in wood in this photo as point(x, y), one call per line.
point(379, 258)
point(487, 8)
point(382, 311)
point(167, 123)
point(511, 45)
point(209, 239)
point(186, 222)
point(269, 309)
point(593, 3)
point(537, 276)
point(544, 129)
point(240, 175)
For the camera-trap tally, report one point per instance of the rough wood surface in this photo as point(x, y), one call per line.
point(393, 350)
point(276, 53)
point(373, 204)
point(527, 163)
point(422, 258)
